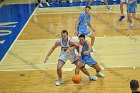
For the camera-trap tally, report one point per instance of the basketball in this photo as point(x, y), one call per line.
point(76, 79)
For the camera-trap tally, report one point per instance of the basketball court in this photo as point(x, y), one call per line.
point(22, 68)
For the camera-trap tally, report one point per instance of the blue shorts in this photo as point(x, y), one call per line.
point(131, 9)
point(89, 60)
point(84, 31)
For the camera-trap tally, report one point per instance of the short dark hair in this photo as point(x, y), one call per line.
point(64, 31)
point(88, 7)
point(82, 35)
point(134, 84)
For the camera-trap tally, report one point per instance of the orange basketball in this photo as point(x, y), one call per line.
point(76, 79)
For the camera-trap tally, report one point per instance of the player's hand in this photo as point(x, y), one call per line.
point(46, 60)
point(68, 51)
point(86, 52)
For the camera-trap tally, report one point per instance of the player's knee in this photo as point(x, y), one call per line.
point(59, 68)
point(121, 5)
point(129, 17)
point(80, 65)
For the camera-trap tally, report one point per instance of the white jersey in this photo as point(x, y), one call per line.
point(65, 46)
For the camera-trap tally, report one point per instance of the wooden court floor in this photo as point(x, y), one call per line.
point(118, 50)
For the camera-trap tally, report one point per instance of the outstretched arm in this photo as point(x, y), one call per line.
point(51, 50)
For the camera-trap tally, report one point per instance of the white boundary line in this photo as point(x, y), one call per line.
point(70, 69)
point(18, 35)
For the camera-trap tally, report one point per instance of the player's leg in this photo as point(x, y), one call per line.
point(106, 3)
point(92, 63)
point(61, 62)
point(81, 66)
point(91, 35)
point(39, 2)
point(121, 10)
point(98, 69)
point(90, 2)
point(47, 3)
point(129, 16)
point(59, 72)
point(129, 19)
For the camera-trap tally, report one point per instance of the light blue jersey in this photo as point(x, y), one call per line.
point(132, 7)
point(84, 21)
point(87, 59)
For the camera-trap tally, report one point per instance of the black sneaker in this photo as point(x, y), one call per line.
point(121, 18)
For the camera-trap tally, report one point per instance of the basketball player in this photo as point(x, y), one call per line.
point(134, 85)
point(105, 1)
point(86, 56)
point(131, 12)
point(122, 2)
point(65, 42)
point(81, 25)
point(39, 2)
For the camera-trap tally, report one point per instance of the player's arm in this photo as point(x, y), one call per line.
point(90, 48)
point(132, 1)
point(76, 26)
point(73, 45)
point(76, 45)
point(80, 50)
point(78, 20)
point(57, 43)
point(91, 27)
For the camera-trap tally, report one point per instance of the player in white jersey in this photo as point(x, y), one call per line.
point(65, 42)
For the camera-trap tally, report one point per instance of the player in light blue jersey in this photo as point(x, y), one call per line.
point(86, 56)
point(82, 23)
point(131, 10)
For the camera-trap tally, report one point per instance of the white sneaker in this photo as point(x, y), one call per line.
point(93, 77)
point(109, 8)
point(81, 1)
point(40, 5)
point(100, 75)
point(59, 82)
point(93, 50)
point(70, 1)
point(47, 4)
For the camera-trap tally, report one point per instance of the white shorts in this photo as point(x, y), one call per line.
point(124, 1)
point(64, 58)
